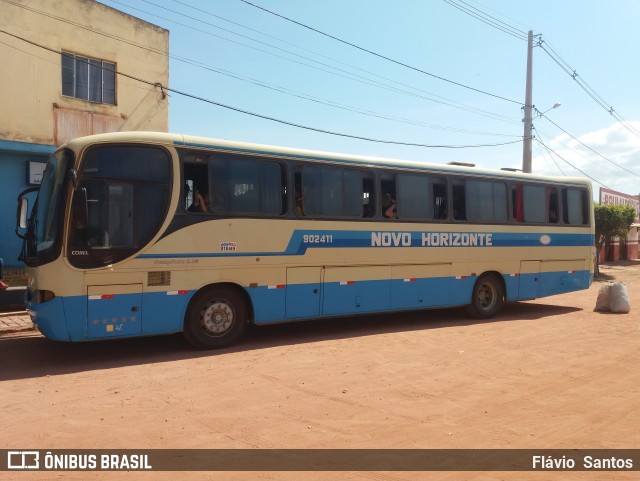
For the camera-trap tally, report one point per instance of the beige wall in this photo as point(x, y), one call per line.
point(32, 108)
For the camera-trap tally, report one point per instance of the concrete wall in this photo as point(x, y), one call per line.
point(31, 79)
point(616, 250)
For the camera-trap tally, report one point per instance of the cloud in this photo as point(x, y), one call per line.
point(596, 155)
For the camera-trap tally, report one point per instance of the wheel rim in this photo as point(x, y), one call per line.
point(216, 318)
point(487, 296)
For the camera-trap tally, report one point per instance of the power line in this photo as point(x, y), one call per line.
point(459, 104)
point(266, 117)
point(349, 75)
point(502, 14)
point(84, 27)
point(487, 19)
point(549, 50)
point(337, 133)
point(541, 114)
point(548, 151)
point(560, 157)
point(397, 62)
point(283, 90)
point(544, 156)
point(338, 72)
point(346, 107)
point(597, 98)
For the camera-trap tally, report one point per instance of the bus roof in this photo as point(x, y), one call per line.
point(230, 146)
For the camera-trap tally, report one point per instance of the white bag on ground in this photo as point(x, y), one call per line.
point(619, 298)
point(602, 303)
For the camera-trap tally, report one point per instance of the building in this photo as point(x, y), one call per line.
point(70, 68)
point(627, 248)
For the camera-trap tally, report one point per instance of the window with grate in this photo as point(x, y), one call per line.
point(88, 78)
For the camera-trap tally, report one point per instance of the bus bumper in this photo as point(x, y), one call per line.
point(48, 317)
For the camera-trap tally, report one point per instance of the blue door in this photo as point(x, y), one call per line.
point(303, 292)
point(114, 310)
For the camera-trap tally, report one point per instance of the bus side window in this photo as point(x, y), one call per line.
point(195, 180)
point(297, 192)
point(552, 196)
point(459, 200)
point(388, 193)
point(517, 203)
point(539, 204)
point(439, 198)
point(368, 197)
point(575, 207)
point(413, 199)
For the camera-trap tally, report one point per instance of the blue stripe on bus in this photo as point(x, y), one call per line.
point(65, 318)
point(301, 240)
point(389, 295)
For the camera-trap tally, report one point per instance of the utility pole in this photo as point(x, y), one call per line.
point(528, 110)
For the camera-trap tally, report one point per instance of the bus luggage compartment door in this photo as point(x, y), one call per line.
point(352, 289)
point(529, 280)
point(303, 292)
point(114, 310)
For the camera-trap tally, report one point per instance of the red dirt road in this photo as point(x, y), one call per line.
point(549, 373)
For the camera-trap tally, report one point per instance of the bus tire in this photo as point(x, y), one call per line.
point(217, 317)
point(487, 297)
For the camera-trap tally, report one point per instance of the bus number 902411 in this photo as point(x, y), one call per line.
point(317, 238)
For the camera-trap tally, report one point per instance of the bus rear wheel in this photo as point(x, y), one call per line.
point(217, 317)
point(487, 297)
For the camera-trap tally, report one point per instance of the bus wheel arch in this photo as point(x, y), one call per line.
point(488, 296)
point(217, 316)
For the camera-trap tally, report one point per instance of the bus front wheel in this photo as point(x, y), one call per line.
point(487, 297)
point(217, 317)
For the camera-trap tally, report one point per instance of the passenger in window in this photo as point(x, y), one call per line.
point(299, 209)
point(391, 212)
point(200, 203)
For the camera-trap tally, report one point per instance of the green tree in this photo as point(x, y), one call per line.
point(611, 221)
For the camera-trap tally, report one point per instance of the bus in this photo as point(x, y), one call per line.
point(140, 233)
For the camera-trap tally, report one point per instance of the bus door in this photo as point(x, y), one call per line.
point(529, 280)
point(114, 310)
point(303, 292)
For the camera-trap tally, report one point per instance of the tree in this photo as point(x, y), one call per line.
point(611, 221)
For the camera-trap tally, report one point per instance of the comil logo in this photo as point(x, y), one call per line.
point(23, 460)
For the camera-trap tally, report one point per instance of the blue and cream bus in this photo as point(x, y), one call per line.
point(138, 234)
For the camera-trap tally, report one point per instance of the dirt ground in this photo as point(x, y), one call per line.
point(549, 373)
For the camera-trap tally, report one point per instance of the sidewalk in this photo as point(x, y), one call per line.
point(18, 321)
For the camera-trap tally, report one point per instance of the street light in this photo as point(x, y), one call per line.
point(555, 106)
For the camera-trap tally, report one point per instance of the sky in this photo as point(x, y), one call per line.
point(448, 79)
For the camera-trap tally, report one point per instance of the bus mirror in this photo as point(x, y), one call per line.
point(80, 207)
point(23, 209)
point(22, 212)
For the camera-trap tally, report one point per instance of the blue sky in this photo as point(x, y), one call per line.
point(278, 69)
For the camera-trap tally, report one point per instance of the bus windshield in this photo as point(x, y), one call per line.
point(119, 203)
point(44, 237)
